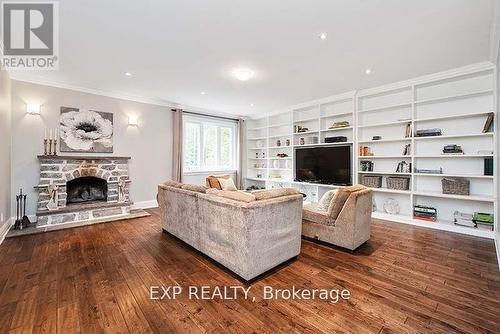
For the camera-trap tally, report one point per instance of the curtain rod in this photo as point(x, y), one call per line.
point(205, 115)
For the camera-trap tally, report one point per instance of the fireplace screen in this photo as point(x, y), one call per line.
point(86, 189)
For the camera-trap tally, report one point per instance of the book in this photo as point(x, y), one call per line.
point(430, 219)
point(488, 124)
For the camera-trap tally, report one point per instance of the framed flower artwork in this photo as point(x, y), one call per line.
point(84, 130)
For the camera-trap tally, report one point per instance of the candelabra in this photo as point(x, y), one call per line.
point(55, 147)
point(50, 147)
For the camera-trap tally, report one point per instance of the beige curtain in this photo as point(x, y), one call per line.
point(177, 146)
point(240, 129)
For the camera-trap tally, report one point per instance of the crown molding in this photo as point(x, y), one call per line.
point(113, 94)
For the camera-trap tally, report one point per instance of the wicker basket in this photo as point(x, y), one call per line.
point(455, 186)
point(398, 183)
point(372, 181)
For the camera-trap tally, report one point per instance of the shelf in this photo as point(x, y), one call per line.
point(477, 114)
point(278, 158)
point(393, 106)
point(336, 115)
point(305, 133)
point(279, 136)
point(272, 147)
point(325, 144)
point(455, 97)
point(488, 134)
point(280, 168)
point(337, 129)
point(255, 179)
point(383, 140)
point(391, 191)
point(316, 184)
point(438, 225)
point(258, 158)
point(280, 125)
point(385, 124)
point(309, 119)
point(477, 198)
point(446, 156)
point(456, 175)
point(256, 148)
point(385, 157)
point(384, 173)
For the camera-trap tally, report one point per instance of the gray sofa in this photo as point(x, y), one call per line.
point(249, 238)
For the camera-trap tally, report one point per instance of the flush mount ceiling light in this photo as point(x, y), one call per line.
point(251, 105)
point(322, 36)
point(368, 71)
point(128, 74)
point(202, 93)
point(243, 74)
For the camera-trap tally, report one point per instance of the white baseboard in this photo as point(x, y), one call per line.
point(5, 229)
point(145, 204)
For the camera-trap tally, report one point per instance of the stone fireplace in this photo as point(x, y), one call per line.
point(74, 188)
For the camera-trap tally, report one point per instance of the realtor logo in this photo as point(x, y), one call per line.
point(30, 35)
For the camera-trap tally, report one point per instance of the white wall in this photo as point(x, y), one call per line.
point(149, 144)
point(5, 143)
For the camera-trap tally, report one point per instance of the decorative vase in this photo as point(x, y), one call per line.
point(288, 142)
point(288, 164)
point(302, 141)
point(276, 164)
point(259, 143)
point(278, 143)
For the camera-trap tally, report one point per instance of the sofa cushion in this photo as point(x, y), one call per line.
point(227, 184)
point(326, 199)
point(273, 193)
point(311, 213)
point(172, 183)
point(195, 187)
point(213, 181)
point(239, 196)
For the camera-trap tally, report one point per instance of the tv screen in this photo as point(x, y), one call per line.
point(327, 165)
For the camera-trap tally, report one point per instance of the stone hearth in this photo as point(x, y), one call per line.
point(100, 188)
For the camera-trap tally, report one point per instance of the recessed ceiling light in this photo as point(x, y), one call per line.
point(128, 74)
point(243, 74)
point(251, 104)
point(322, 36)
point(368, 71)
point(202, 93)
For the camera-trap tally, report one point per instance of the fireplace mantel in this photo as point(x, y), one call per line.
point(81, 157)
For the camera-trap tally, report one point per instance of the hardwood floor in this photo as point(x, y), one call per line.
point(97, 278)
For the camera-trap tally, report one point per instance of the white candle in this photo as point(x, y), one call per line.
point(50, 134)
point(45, 136)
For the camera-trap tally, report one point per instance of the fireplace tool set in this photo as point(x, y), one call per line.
point(22, 220)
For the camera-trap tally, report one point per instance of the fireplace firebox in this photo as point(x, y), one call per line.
point(86, 189)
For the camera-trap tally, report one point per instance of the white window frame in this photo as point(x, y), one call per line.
point(219, 123)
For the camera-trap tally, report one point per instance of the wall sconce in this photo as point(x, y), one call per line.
point(133, 121)
point(33, 109)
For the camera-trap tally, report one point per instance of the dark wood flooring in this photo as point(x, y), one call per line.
point(96, 279)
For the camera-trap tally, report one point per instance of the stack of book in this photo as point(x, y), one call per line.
point(484, 221)
point(453, 149)
point(425, 213)
point(338, 125)
point(463, 219)
point(429, 132)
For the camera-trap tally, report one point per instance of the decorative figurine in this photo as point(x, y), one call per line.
point(53, 193)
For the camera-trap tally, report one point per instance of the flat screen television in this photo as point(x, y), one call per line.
point(327, 165)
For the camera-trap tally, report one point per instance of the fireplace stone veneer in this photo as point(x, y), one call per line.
point(59, 170)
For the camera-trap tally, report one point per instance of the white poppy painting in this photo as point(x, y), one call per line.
point(86, 131)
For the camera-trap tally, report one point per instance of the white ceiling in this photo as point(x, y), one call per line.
point(176, 49)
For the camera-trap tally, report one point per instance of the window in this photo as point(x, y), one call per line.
point(209, 144)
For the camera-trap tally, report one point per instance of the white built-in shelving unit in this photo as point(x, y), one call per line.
point(457, 102)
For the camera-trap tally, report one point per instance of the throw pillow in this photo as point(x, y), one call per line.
point(325, 200)
point(227, 184)
point(213, 181)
